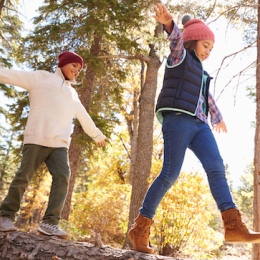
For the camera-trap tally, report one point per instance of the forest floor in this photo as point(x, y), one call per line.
point(235, 252)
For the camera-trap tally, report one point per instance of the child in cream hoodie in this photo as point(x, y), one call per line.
point(54, 104)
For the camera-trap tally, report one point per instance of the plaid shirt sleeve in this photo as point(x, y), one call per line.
point(176, 45)
point(215, 115)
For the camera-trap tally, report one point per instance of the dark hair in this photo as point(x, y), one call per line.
point(190, 45)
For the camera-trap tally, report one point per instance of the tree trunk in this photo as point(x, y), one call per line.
point(19, 245)
point(143, 160)
point(256, 204)
point(133, 133)
point(85, 95)
point(145, 136)
point(74, 158)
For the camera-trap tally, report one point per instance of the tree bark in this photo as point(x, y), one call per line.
point(74, 158)
point(256, 202)
point(85, 95)
point(133, 133)
point(20, 245)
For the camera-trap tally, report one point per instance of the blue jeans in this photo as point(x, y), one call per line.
point(182, 131)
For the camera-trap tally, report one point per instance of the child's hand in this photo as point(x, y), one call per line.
point(162, 14)
point(103, 142)
point(221, 127)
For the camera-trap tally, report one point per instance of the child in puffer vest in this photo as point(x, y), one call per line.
point(182, 108)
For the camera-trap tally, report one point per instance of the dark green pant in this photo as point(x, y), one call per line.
point(56, 160)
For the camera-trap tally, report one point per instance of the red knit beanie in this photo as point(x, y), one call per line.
point(195, 29)
point(69, 57)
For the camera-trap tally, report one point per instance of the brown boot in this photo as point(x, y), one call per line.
point(235, 230)
point(139, 234)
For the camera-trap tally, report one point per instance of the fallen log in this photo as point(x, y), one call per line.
point(32, 246)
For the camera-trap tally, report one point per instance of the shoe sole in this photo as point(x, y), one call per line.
point(242, 242)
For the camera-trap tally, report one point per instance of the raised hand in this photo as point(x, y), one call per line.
point(162, 14)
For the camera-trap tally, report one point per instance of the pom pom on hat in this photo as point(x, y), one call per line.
point(195, 29)
point(69, 57)
point(185, 19)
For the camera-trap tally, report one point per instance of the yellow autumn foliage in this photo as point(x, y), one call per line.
point(104, 206)
point(183, 217)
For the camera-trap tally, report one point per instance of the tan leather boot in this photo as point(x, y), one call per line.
point(235, 230)
point(139, 234)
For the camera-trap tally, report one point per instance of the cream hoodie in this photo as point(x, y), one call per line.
point(53, 105)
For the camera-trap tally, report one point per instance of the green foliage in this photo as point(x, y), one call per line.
point(8, 158)
point(243, 15)
point(74, 25)
point(11, 135)
point(11, 29)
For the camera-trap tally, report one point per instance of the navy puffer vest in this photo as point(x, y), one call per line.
point(182, 86)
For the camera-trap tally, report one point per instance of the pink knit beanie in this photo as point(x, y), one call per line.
point(69, 57)
point(195, 29)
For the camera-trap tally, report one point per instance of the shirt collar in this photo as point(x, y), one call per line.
point(59, 73)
